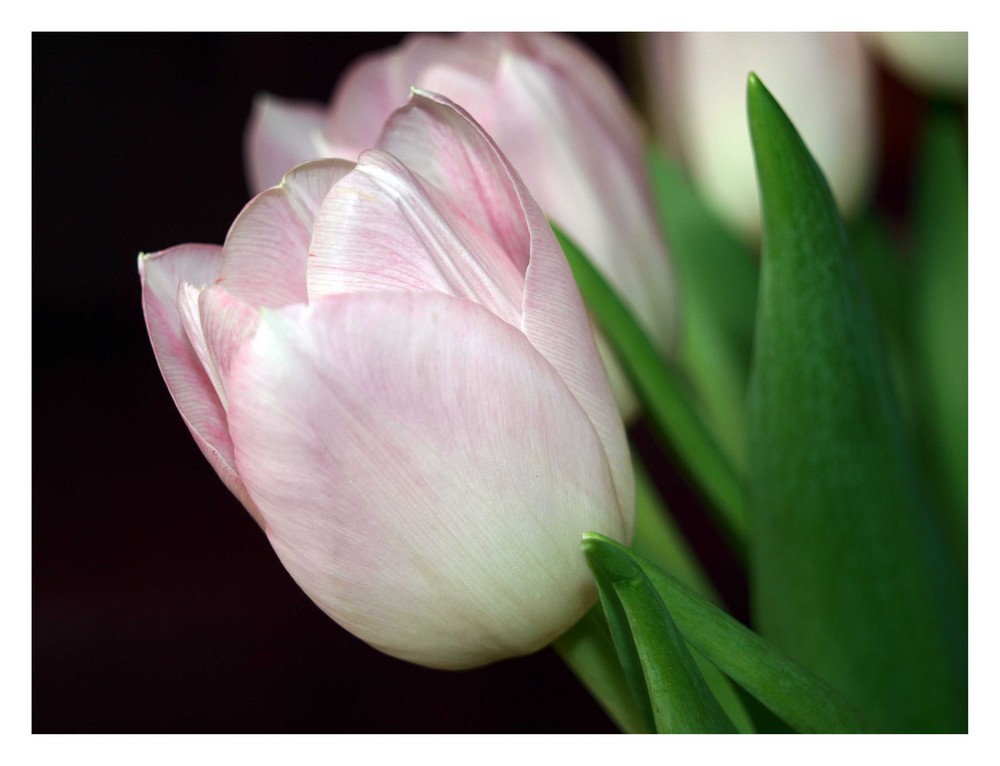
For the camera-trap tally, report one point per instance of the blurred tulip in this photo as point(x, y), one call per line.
point(697, 90)
point(553, 109)
point(929, 61)
point(390, 365)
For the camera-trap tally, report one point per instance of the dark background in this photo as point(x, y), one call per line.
point(157, 604)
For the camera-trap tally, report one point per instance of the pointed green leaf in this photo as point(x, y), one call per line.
point(651, 649)
point(661, 395)
point(717, 291)
point(939, 316)
point(849, 573)
point(587, 648)
point(790, 691)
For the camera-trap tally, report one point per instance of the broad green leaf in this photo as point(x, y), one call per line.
point(657, 662)
point(662, 396)
point(939, 316)
point(849, 572)
point(791, 692)
point(717, 291)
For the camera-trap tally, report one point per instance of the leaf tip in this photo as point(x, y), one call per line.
point(593, 542)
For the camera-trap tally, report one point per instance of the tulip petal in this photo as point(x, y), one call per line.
point(440, 142)
point(392, 441)
point(265, 254)
point(280, 135)
point(552, 312)
point(380, 228)
point(584, 164)
point(583, 75)
point(187, 380)
point(216, 325)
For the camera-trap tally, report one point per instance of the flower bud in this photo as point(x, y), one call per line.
point(389, 364)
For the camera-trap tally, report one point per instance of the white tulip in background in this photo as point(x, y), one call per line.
point(696, 85)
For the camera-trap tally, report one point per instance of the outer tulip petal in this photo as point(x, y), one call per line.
point(368, 430)
point(591, 180)
point(280, 135)
point(552, 312)
point(380, 228)
point(264, 258)
point(190, 385)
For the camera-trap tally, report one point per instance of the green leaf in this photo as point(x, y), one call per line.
point(587, 647)
point(885, 276)
point(939, 316)
point(790, 691)
point(661, 671)
point(662, 396)
point(849, 574)
point(717, 291)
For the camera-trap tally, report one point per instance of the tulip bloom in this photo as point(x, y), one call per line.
point(389, 364)
point(553, 109)
point(697, 87)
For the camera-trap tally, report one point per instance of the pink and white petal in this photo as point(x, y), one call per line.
point(227, 322)
point(381, 228)
point(556, 323)
point(425, 475)
point(442, 143)
point(552, 312)
point(584, 75)
point(280, 135)
point(592, 182)
point(265, 253)
point(189, 384)
point(187, 306)
point(216, 324)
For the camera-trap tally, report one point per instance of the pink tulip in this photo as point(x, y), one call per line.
point(390, 365)
point(824, 80)
point(553, 109)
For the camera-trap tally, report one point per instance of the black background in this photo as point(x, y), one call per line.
point(157, 604)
